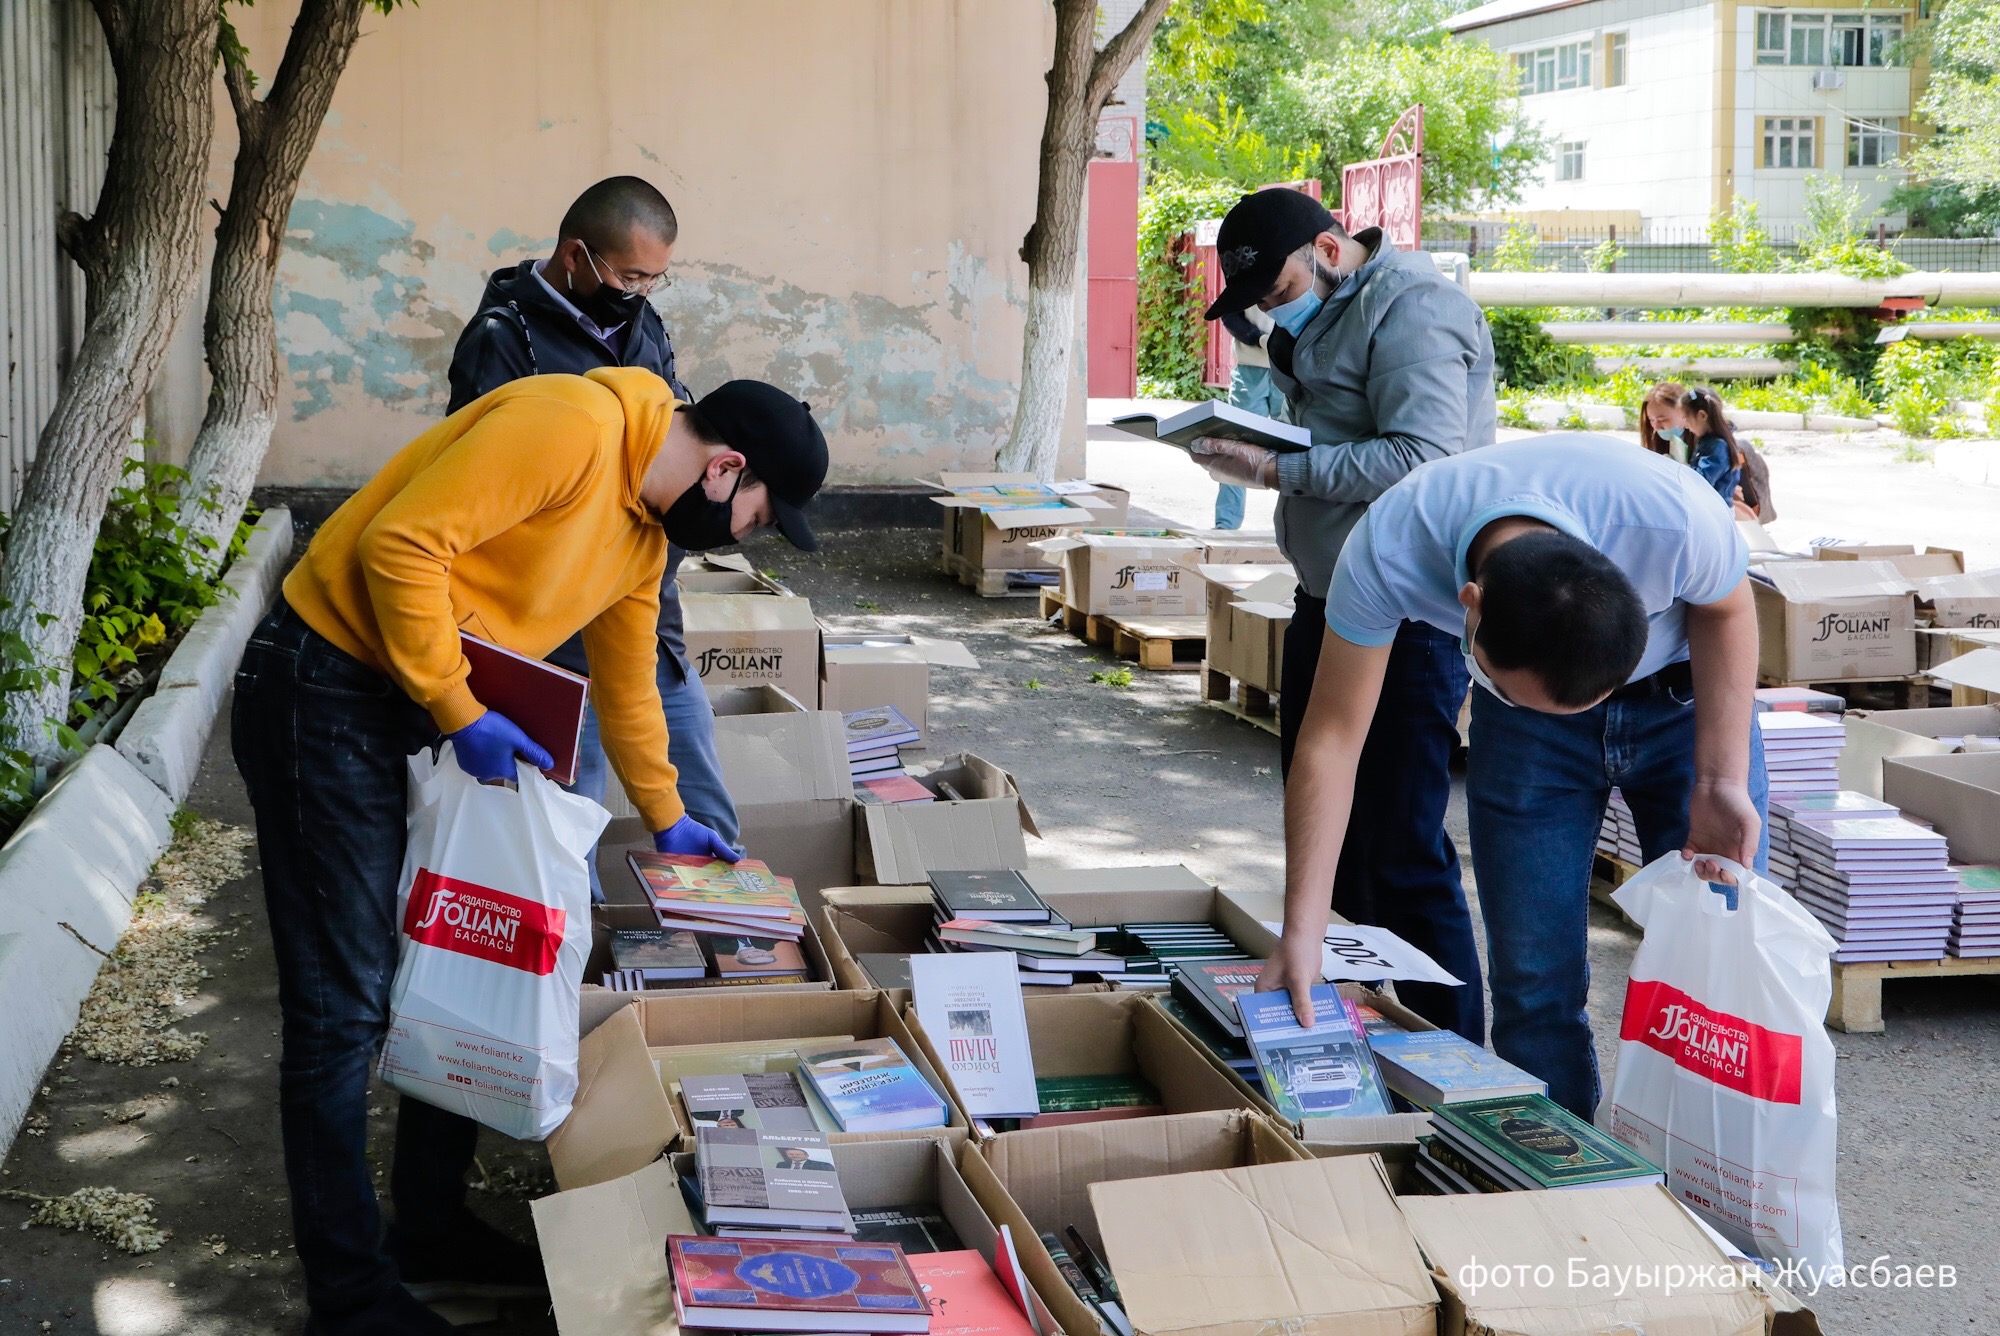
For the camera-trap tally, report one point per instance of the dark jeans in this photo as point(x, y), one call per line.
point(1535, 786)
point(322, 741)
point(1398, 868)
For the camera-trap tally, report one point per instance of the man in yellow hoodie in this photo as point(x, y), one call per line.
point(540, 509)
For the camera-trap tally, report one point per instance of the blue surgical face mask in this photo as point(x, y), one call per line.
point(1297, 313)
point(1676, 443)
point(1472, 664)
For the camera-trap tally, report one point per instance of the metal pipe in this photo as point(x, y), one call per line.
point(1651, 333)
point(1656, 290)
point(1706, 368)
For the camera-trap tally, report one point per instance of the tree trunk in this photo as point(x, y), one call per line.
point(239, 331)
point(1081, 80)
point(140, 255)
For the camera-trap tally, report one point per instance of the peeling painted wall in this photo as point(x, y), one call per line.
point(853, 180)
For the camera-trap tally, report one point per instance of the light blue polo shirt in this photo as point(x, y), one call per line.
point(1664, 526)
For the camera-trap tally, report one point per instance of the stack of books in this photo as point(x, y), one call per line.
point(999, 911)
point(742, 921)
point(1203, 997)
point(1975, 924)
point(1798, 700)
point(1324, 1070)
point(1813, 808)
point(1882, 886)
point(1802, 751)
point(1433, 1067)
point(870, 1085)
point(1618, 837)
point(874, 737)
point(1523, 1143)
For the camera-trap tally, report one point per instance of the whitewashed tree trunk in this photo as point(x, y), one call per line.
point(275, 136)
point(1081, 80)
point(140, 255)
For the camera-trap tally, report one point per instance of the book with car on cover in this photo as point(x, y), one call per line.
point(992, 897)
point(1324, 1071)
point(775, 1179)
point(757, 1285)
point(971, 1006)
point(1218, 419)
point(764, 1102)
point(870, 1085)
point(1431, 1067)
point(1532, 1142)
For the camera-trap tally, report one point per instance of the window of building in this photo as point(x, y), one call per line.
point(1872, 143)
point(1614, 60)
point(1822, 40)
point(1552, 67)
point(1788, 140)
point(1570, 161)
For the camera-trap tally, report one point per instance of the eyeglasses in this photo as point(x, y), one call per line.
point(645, 285)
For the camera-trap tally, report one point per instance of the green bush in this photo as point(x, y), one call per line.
point(1171, 330)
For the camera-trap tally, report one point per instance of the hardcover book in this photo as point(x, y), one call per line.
point(1533, 1142)
point(744, 889)
point(878, 726)
point(770, 1178)
point(1218, 419)
point(994, 897)
point(869, 1085)
point(971, 1006)
point(1018, 936)
point(659, 954)
point(752, 957)
point(1214, 986)
point(888, 969)
point(1431, 1067)
point(1318, 1072)
point(914, 1229)
point(756, 1285)
point(894, 789)
point(764, 1102)
point(547, 702)
point(965, 1297)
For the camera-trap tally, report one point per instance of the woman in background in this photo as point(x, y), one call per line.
point(1689, 425)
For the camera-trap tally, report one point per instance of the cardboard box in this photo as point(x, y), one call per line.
point(1257, 629)
point(1110, 1034)
point(1159, 894)
point(1960, 795)
point(1128, 575)
point(1874, 736)
point(902, 843)
point(604, 1246)
point(857, 672)
point(1974, 677)
point(1971, 601)
point(895, 926)
point(747, 640)
point(728, 582)
point(1237, 547)
point(1821, 621)
point(1587, 1241)
point(995, 538)
point(1909, 561)
point(1225, 585)
point(623, 1119)
point(1041, 1179)
point(1313, 1247)
point(786, 768)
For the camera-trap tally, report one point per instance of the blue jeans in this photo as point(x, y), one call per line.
point(690, 746)
point(1249, 387)
point(1536, 785)
point(322, 741)
point(1398, 869)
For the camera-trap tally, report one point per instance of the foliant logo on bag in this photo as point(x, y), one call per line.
point(761, 661)
point(1834, 624)
point(479, 921)
point(1728, 1050)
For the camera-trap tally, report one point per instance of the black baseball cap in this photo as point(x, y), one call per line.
point(784, 447)
point(1256, 236)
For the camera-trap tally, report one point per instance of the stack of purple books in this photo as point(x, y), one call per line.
point(1802, 752)
point(1882, 886)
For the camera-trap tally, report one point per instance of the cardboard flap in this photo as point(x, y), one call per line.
point(1869, 743)
point(785, 758)
point(1928, 565)
point(1277, 612)
point(1575, 1234)
point(1055, 547)
point(724, 613)
point(1311, 1245)
point(955, 481)
point(604, 1252)
point(1972, 584)
point(1277, 587)
point(1817, 581)
point(1237, 575)
point(620, 1120)
point(763, 698)
point(1979, 670)
point(899, 649)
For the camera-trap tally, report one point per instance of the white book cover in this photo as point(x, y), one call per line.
point(970, 1005)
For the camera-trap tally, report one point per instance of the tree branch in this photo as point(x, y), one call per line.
point(242, 97)
point(117, 25)
point(1118, 54)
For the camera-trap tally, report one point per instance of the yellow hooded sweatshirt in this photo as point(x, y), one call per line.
point(517, 519)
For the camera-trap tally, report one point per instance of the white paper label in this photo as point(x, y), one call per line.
point(1150, 582)
point(1356, 952)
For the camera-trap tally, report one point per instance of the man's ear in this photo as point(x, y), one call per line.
point(722, 464)
point(1469, 596)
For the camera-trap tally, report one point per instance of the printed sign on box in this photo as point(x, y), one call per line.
point(1820, 621)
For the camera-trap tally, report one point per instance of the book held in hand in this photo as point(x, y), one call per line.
point(971, 1006)
point(1217, 419)
point(547, 702)
point(1318, 1072)
point(759, 1285)
point(870, 1085)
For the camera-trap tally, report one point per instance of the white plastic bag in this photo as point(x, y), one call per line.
point(494, 925)
point(1725, 1070)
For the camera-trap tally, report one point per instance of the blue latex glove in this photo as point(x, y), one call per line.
point(487, 746)
point(689, 836)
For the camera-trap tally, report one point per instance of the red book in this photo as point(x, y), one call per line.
point(793, 1285)
point(898, 789)
point(966, 1298)
point(547, 702)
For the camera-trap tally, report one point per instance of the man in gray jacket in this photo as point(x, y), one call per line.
point(1388, 364)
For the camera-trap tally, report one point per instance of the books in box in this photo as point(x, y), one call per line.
point(870, 1085)
point(763, 1101)
point(1432, 1067)
point(971, 1006)
point(1324, 1070)
point(773, 1179)
point(1213, 987)
point(757, 1285)
point(1529, 1141)
point(994, 897)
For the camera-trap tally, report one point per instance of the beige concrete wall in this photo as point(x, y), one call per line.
point(853, 180)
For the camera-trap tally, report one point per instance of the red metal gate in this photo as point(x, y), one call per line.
point(1388, 191)
point(1111, 366)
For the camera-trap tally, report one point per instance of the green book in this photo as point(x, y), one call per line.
point(1538, 1143)
point(1076, 1094)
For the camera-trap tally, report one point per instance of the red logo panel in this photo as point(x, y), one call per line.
point(475, 920)
point(1732, 1052)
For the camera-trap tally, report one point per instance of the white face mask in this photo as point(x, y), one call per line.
point(1472, 664)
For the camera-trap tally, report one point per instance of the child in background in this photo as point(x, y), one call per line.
point(1690, 426)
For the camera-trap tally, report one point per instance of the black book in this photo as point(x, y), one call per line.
point(914, 1229)
point(996, 897)
point(889, 969)
point(1214, 986)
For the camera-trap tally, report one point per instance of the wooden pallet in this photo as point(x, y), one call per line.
point(1162, 644)
point(985, 583)
point(1857, 987)
point(1607, 873)
point(1914, 691)
point(1253, 705)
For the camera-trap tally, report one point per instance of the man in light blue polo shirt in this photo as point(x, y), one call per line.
point(1601, 603)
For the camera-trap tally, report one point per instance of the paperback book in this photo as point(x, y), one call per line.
point(870, 1085)
point(762, 1102)
point(782, 1180)
point(1432, 1067)
point(971, 1006)
point(1320, 1071)
point(757, 1285)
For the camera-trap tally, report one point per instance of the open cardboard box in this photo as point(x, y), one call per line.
point(1226, 585)
point(1305, 1247)
point(1129, 575)
point(1040, 1179)
point(858, 672)
point(1873, 736)
point(903, 843)
point(756, 639)
point(1605, 1232)
point(786, 766)
point(1959, 795)
point(604, 1246)
point(1913, 562)
point(1974, 677)
point(1236, 547)
point(999, 538)
point(1820, 621)
point(623, 1118)
point(1109, 1034)
point(728, 582)
point(1970, 601)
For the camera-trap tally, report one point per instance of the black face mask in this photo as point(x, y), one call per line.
point(607, 306)
point(696, 523)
